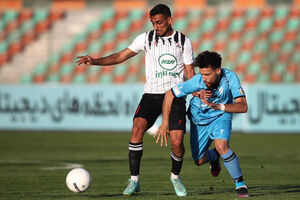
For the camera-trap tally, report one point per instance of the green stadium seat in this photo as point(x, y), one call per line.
point(254, 68)
point(40, 15)
point(289, 78)
point(15, 44)
point(265, 24)
point(224, 13)
point(120, 69)
point(121, 45)
point(53, 78)
point(132, 78)
point(279, 68)
point(136, 14)
point(276, 36)
point(233, 46)
point(106, 78)
point(40, 69)
point(229, 65)
point(281, 12)
point(252, 13)
point(27, 29)
point(79, 78)
point(26, 78)
point(81, 42)
point(293, 24)
point(95, 47)
point(206, 45)
point(2, 30)
point(263, 78)
point(10, 15)
point(181, 24)
point(244, 57)
point(66, 69)
point(208, 24)
point(237, 24)
point(122, 25)
point(261, 46)
point(288, 47)
point(93, 70)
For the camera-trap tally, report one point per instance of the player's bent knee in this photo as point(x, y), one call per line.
point(222, 148)
point(137, 134)
point(176, 144)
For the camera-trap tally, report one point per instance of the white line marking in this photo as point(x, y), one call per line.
point(57, 165)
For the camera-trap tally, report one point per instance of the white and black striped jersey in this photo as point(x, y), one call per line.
point(165, 59)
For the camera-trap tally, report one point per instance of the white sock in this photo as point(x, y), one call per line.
point(174, 176)
point(135, 178)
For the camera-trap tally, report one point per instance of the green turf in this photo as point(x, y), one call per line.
point(270, 164)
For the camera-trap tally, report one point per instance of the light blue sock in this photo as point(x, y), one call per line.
point(232, 164)
point(212, 155)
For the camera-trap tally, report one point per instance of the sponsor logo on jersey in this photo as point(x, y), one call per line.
point(167, 61)
point(166, 73)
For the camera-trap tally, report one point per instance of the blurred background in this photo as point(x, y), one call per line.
point(42, 88)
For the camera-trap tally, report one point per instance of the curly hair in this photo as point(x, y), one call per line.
point(207, 59)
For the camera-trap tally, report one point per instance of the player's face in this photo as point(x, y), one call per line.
point(161, 24)
point(210, 76)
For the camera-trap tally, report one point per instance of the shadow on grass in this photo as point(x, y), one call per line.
point(272, 190)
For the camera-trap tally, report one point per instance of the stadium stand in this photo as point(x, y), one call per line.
point(20, 28)
point(260, 44)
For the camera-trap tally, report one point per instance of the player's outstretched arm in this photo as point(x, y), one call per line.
point(239, 106)
point(163, 130)
point(112, 59)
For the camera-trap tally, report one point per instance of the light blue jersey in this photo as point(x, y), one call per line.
point(228, 89)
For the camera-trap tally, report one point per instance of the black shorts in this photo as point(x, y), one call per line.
point(150, 107)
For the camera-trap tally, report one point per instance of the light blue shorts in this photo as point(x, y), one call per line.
point(203, 135)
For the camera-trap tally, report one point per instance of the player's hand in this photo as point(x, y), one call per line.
point(85, 59)
point(203, 94)
point(161, 135)
point(211, 104)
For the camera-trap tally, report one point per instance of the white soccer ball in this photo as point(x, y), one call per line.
point(78, 180)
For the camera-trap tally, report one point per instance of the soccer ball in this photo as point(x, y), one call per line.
point(78, 180)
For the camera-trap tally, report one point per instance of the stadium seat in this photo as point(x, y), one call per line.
point(15, 42)
point(79, 78)
point(53, 78)
point(80, 42)
point(260, 44)
point(25, 15)
point(106, 79)
point(10, 17)
point(4, 54)
point(26, 78)
point(263, 78)
point(41, 17)
point(27, 29)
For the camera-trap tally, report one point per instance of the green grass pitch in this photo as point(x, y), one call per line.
point(32, 166)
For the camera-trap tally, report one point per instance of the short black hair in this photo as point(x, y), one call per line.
point(207, 59)
point(161, 9)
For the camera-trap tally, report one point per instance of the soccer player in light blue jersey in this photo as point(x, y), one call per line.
point(219, 95)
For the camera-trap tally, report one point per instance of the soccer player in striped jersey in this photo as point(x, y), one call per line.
point(169, 59)
point(221, 94)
